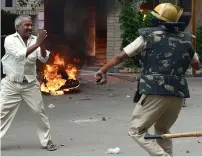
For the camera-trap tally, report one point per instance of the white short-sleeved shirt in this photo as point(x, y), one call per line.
point(139, 44)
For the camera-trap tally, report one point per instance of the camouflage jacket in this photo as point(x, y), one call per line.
point(166, 58)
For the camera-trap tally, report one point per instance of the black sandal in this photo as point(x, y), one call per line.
point(50, 146)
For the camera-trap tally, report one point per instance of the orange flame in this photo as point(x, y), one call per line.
point(54, 80)
point(144, 7)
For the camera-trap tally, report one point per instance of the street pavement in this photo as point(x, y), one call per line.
point(96, 117)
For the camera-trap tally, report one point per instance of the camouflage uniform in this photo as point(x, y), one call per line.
point(166, 58)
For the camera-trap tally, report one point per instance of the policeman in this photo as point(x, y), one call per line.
point(163, 87)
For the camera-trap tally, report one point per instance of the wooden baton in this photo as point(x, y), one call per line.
point(176, 135)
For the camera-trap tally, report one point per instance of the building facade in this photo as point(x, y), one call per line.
point(14, 7)
point(107, 45)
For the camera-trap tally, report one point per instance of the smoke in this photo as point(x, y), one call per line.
point(67, 25)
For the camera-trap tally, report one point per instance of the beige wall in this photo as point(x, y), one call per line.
point(198, 15)
point(113, 33)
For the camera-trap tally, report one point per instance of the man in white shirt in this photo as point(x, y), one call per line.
point(22, 49)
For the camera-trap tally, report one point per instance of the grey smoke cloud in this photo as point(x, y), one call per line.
point(69, 24)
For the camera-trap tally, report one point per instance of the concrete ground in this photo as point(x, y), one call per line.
point(95, 118)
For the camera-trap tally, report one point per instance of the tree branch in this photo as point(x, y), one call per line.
point(34, 5)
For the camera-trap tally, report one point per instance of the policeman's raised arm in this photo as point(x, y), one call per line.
point(129, 51)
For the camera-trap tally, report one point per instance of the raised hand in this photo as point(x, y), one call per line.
point(41, 37)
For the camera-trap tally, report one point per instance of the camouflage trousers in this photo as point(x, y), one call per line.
point(160, 111)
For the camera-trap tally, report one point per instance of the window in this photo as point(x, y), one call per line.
point(9, 3)
point(41, 20)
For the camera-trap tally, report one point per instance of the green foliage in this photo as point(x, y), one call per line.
point(199, 41)
point(131, 20)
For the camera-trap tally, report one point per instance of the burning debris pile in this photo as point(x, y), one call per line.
point(59, 77)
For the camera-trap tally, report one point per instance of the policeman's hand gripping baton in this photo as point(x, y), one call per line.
point(176, 135)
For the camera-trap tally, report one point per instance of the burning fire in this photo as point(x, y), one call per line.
point(59, 77)
point(144, 7)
